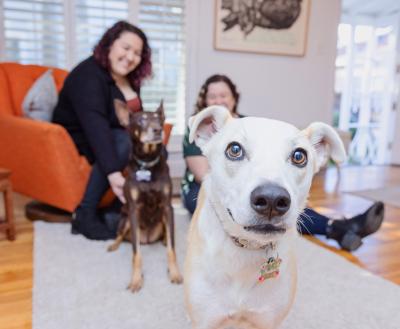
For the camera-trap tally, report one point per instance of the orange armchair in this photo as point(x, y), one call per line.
point(42, 157)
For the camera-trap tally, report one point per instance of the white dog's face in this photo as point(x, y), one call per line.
point(260, 169)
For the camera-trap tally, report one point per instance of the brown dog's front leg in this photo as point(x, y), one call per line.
point(173, 269)
point(137, 277)
point(121, 236)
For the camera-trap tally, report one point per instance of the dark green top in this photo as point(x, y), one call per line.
point(189, 149)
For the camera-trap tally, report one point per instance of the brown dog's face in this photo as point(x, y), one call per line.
point(147, 127)
point(144, 127)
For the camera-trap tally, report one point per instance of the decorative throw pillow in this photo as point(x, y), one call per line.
point(41, 98)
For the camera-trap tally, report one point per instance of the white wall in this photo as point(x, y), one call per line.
point(295, 89)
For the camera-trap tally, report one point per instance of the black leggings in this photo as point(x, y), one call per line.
point(311, 221)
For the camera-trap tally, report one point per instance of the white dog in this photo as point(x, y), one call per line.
point(240, 268)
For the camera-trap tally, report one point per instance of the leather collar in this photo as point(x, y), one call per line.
point(146, 164)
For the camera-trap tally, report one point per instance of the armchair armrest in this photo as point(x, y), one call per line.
point(43, 160)
point(167, 132)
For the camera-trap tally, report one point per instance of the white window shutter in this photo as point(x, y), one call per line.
point(92, 19)
point(34, 32)
point(163, 21)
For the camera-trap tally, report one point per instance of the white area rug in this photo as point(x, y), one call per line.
point(78, 285)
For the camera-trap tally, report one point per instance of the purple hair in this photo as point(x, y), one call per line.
point(102, 49)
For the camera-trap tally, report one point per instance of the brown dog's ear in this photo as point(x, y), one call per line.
point(206, 123)
point(160, 110)
point(122, 112)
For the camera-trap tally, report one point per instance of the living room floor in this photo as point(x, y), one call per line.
point(378, 254)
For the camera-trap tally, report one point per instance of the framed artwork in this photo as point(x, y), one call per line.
point(262, 26)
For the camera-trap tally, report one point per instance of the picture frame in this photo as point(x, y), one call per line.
point(262, 26)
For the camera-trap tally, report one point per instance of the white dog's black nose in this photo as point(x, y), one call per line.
point(270, 200)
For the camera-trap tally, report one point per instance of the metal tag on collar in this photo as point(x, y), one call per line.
point(269, 269)
point(143, 175)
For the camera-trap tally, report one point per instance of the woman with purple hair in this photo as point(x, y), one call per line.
point(120, 62)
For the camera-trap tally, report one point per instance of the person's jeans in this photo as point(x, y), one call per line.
point(312, 222)
point(98, 182)
point(189, 196)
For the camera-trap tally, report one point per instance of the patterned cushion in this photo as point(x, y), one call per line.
point(41, 98)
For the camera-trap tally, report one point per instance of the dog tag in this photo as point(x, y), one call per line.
point(270, 268)
point(143, 175)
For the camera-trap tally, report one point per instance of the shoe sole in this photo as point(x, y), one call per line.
point(350, 241)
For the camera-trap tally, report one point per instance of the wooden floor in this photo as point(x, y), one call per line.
point(379, 253)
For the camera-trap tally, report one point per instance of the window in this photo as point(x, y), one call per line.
point(61, 33)
point(163, 22)
point(91, 19)
point(34, 32)
point(364, 88)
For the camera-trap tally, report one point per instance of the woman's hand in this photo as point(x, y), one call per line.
point(117, 182)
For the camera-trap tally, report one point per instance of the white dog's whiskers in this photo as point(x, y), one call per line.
point(300, 221)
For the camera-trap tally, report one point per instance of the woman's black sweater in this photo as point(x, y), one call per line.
point(86, 110)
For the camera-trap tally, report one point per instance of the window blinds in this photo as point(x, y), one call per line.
point(164, 24)
point(34, 32)
point(61, 33)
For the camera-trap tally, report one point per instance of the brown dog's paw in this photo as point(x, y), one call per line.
point(175, 277)
point(113, 247)
point(136, 284)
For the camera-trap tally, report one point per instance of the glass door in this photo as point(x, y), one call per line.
point(365, 88)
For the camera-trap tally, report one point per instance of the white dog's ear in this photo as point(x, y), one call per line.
point(206, 123)
point(326, 142)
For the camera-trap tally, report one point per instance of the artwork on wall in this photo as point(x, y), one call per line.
point(262, 26)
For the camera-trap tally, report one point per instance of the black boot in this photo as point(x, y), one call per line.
point(86, 222)
point(349, 232)
point(111, 215)
point(111, 219)
point(370, 221)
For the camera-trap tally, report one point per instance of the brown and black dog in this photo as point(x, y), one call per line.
point(148, 214)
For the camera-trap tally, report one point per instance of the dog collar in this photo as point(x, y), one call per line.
point(143, 174)
point(246, 243)
point(146, 164)
point(269, 268)
point(251, 244)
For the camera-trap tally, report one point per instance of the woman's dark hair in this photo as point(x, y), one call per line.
point(102, 49)
point(201, 98)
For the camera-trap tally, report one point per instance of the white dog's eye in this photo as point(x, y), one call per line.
point(234, 151)
point(299, 157)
